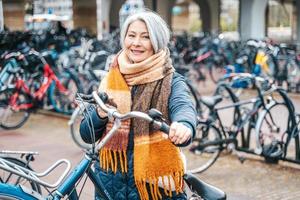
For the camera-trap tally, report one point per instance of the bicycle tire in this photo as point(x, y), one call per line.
point(13, 119)
point(228, 98)
point(216, 73)
point(194, 98)
point(17, 180)
point(271, 130)
point(200, 159)
point(64, 103)
point(77, 117)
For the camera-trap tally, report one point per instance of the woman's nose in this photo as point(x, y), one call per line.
point(136, 41)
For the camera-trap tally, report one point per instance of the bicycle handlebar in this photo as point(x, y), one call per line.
point(101, 98)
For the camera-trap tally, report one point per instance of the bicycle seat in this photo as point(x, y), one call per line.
point(205, 190)
point(211, 101)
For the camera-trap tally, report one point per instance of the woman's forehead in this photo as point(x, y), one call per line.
point(138, 26)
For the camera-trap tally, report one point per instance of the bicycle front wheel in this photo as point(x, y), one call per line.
point(272, 130)
point(200, 156)
point(11, 118)
point(74, 124)
point(65, 102)
point(232, 114)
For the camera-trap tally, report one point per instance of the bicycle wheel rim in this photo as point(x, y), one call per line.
point(64, 103)
point(199, 160)
point(75, 134)
point(228, 98)
point(10, 118)
point(273, 126)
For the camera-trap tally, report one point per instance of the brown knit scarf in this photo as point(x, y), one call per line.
point(156, 160)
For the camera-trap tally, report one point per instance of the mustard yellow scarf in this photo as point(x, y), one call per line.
point(157, 161)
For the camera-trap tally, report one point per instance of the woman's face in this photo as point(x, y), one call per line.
point(137, 42)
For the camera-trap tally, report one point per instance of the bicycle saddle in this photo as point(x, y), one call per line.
point(211, 101)
point(205, 190)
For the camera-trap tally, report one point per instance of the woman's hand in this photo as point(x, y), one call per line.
point(179, 133)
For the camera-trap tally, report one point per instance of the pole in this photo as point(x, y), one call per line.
point(99, 19)
point(1, 17)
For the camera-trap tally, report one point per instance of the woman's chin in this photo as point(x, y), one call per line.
point(137, 59)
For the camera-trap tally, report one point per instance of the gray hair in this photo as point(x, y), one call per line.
point(159, 32)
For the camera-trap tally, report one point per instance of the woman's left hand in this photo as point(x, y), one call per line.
point(179, 133)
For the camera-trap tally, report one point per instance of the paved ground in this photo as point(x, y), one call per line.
point(254, 179)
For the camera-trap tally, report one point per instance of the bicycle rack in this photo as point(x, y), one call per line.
point(33, 176)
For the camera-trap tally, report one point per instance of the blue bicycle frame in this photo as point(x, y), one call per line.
point(65, 188)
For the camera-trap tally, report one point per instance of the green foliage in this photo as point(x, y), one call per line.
point(227, 26)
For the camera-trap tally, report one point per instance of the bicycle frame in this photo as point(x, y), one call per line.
point(67, 187)
point(237, 127)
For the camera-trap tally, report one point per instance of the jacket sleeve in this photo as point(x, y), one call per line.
point(92, 122)
point(181, 107)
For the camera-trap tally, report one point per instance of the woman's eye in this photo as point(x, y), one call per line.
point(130, 35)
point(146, 36)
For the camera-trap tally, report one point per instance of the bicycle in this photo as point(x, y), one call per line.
point(213, 137)
point(278, 139)
point(66, 187)
point(22, 98)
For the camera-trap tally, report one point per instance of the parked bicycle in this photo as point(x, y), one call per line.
point(213, 136)
point(27, 91)
point(278, 137)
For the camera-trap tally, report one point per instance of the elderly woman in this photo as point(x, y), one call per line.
point(140, 162)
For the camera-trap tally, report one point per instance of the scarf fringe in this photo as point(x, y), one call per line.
point(153, 183)
point(109, 159)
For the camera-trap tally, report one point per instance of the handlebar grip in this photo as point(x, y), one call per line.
point(164, 128)
point(89, 97)
point(85, 96)
point(103, 96)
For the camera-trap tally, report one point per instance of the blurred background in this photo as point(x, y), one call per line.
point(237, 19)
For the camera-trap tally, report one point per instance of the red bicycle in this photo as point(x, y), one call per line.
point(31, 86)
